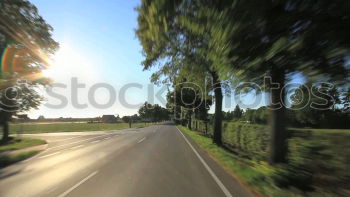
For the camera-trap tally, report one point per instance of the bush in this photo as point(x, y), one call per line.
point(252, 140)
point(317, 159)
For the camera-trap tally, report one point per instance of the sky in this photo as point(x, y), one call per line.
point(100, 52)
point(97, 45)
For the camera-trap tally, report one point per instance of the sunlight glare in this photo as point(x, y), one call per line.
point(68, 63)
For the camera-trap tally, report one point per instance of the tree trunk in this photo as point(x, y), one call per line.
point(278, 146)
point(218, 110)
point(5, 127)
point(189, 119)
point(206, 128)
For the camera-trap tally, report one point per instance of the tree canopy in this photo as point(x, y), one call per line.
point(26, 45)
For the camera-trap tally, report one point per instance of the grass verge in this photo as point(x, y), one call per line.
point(7, 159)
point(256, 175)
point(19, 143)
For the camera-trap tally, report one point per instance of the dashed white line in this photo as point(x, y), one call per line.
point(141, 140)
point(78, 184)
point(55, 153)
point(93, 142)
point(75, 147)
point(216, 179)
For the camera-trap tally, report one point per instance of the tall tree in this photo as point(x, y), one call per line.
point(153, 113)
point(237, 112)
point(177, 50)
point(26, 45)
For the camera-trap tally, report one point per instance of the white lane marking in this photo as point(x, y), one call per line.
point(77, 141)
point(55, 153)
point(75, 147)
point(216, 179)
point(78, 184)
point(93, 142)
point(51, 190)
point(141, 140)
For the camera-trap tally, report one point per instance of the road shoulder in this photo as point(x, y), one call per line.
point(236, 187)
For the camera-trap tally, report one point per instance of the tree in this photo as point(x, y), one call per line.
point(318, 106)
point(256, 116)
point(126, 119)
point(237, 112)
point(153, 113)
point(252, 39)
point(346, 101)
point(177, 50)
point(26, 45)
point(190, 98)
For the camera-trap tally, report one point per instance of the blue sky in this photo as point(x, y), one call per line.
point(102, 34)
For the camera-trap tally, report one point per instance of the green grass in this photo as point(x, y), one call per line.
point(6, 160)
point(324, 130)
point(257, 174)
point(69, 127)
point(19, 143)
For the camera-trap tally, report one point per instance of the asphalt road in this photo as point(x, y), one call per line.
point(154, 161)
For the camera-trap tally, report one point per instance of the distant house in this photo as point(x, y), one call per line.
point(109, 119)
point(23, 116)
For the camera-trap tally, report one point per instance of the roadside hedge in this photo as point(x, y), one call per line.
point(317, 159)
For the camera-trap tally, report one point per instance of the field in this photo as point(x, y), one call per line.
point(24, 128)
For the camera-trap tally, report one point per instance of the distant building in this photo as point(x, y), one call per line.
point(109, 119)
point(23, 116)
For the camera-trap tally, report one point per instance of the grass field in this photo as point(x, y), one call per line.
point(69, 127)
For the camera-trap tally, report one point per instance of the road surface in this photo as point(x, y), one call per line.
point(154, 161)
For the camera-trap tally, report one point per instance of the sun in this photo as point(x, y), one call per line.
point(67, 63)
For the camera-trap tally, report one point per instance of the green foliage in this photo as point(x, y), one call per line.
point(316, 166)
point(256, 116)
point(248, 40)
point(237, 113)
point(26, 45)
point(6, 160)
point(179, 52)
point(154, 113)
point(346, 101)
point(319, 106)
point(250, 140)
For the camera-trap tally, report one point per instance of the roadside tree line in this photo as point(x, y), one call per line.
point(211, 43)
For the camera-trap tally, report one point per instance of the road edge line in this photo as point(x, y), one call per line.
point(78, 184)
point(141, 140)
point(211, 172)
